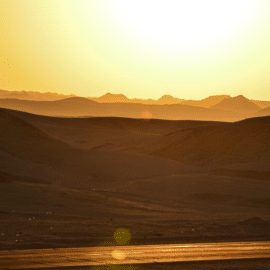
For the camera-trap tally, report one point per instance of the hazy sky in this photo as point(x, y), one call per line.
point(144, 49)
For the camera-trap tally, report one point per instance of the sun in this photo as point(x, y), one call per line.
point(180, 22)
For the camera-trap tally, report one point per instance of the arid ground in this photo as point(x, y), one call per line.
point(75, 181)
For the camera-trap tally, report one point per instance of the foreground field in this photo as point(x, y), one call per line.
point(69, 182)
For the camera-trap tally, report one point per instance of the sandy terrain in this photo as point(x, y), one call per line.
point(74, 182)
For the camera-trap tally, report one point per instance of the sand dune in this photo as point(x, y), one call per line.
point(239, 142)
point(106, 132)
point(25, 141)
point(22, 139)
point(57, 192)
point(193, 142)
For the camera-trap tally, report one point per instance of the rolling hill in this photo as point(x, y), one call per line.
point(106, 133)
point(246, 141)
point(20, 138)
point(24, 141)
point(190, 142)
point(56, 191)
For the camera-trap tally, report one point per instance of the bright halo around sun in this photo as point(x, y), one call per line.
point(181, 22)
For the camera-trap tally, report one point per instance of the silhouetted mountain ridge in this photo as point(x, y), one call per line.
point(121, 98)
point(168, 99)
point(82, 107)
point(76, 100)
point(111, 98)
point(33, 95)
point(238, 104)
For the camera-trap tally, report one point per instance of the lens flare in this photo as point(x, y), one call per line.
point(147, 115)
point(122, 236)
point(119, 255)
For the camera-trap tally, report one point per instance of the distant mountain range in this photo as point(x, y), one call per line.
point(164, 100)
point(120, 98)
point(31, 95)
point(214, 108)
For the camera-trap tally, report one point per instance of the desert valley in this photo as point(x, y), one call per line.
point(139, 127)
point(74, 170)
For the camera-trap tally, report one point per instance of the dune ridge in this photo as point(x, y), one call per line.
point(239, 142)
point(160, 179)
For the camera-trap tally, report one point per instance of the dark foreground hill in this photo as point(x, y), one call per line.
point(24, 142)
point(241, 142)
point(56, 191)
point(107, 133)
point(21, 139)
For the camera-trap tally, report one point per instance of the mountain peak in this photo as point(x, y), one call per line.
point(113, 95)
point(241, 97)
point(237, 104)
point(166, 97)
point(109, 97)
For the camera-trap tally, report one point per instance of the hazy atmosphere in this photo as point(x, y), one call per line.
point(135, 133)
point(142, 49)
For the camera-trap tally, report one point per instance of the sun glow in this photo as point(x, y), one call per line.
point(189, 49)
point(181, 23)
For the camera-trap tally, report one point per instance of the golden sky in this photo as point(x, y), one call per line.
point(143, 49)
